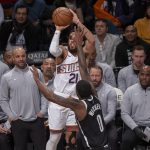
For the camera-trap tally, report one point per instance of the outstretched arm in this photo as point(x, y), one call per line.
point(86, 32)
point(81, 58)
point(54, 48)
point(69, 102)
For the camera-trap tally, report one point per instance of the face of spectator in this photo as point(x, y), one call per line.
point(19, 58)
point(100, 28)
point(48, 67)
point(130, 33)
point(148, 12)
point(71, 43)
point(8, 58)
point(138, 58)
point(144, 77)
point(21, 15)
point(96, 76)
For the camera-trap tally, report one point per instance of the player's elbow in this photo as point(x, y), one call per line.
point(55, 53)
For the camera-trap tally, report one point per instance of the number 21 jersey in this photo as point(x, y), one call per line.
point(67, 75)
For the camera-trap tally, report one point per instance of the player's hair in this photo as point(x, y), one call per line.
point(84, 89)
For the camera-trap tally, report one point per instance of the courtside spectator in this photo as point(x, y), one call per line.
point(21, 100)
point(36, 9)
point(124, 49)
point(129, 75)
point(142, 26)
point(105, 43)
point(135, 111)
point(6, 142)
point(108, 99)
point(19, 32)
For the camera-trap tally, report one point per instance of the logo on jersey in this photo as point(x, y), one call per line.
point(94, 108)
point(68, 68)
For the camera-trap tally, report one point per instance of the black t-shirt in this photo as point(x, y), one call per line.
point(92, 127)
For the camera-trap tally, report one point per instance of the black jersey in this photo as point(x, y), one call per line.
point(92, 127)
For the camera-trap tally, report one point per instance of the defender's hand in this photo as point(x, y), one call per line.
point(34, 72)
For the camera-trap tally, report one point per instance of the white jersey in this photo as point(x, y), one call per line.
point(67, 75)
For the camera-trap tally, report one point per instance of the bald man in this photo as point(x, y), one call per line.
point(21, 100)
point(135, 110)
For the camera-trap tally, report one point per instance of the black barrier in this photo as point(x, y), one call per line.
point(35, 58)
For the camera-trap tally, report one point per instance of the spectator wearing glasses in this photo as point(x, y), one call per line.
point(19, 32)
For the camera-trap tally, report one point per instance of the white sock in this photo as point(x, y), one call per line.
point(53, 141)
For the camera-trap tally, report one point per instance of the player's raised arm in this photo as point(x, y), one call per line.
point(69, 102)
point(54, 48)
point(86, 32)
point(81, 58)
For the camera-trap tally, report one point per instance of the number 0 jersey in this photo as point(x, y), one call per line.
point(92, 127)
point(67, 75)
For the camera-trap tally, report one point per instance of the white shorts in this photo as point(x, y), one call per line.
point(59, 117)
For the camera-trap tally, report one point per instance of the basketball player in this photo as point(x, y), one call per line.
point(67, 75)
point(87, 110)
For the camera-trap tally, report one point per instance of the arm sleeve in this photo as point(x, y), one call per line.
point(126, 109)
point(112, 105)
point(54, 46)
point(4, 98)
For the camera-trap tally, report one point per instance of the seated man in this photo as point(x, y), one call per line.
point(129, 75)
point(108, 99)
point(135, 110)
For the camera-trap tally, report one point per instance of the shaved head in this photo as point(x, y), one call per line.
point(18, 49)
point(144, 76)
point(145, 68)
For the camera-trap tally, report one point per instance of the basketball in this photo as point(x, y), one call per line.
point(62, 16)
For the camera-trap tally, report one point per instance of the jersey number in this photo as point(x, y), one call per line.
point(100, 123)
point(73, 78)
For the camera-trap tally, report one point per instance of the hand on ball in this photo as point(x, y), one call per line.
point(75, 18)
